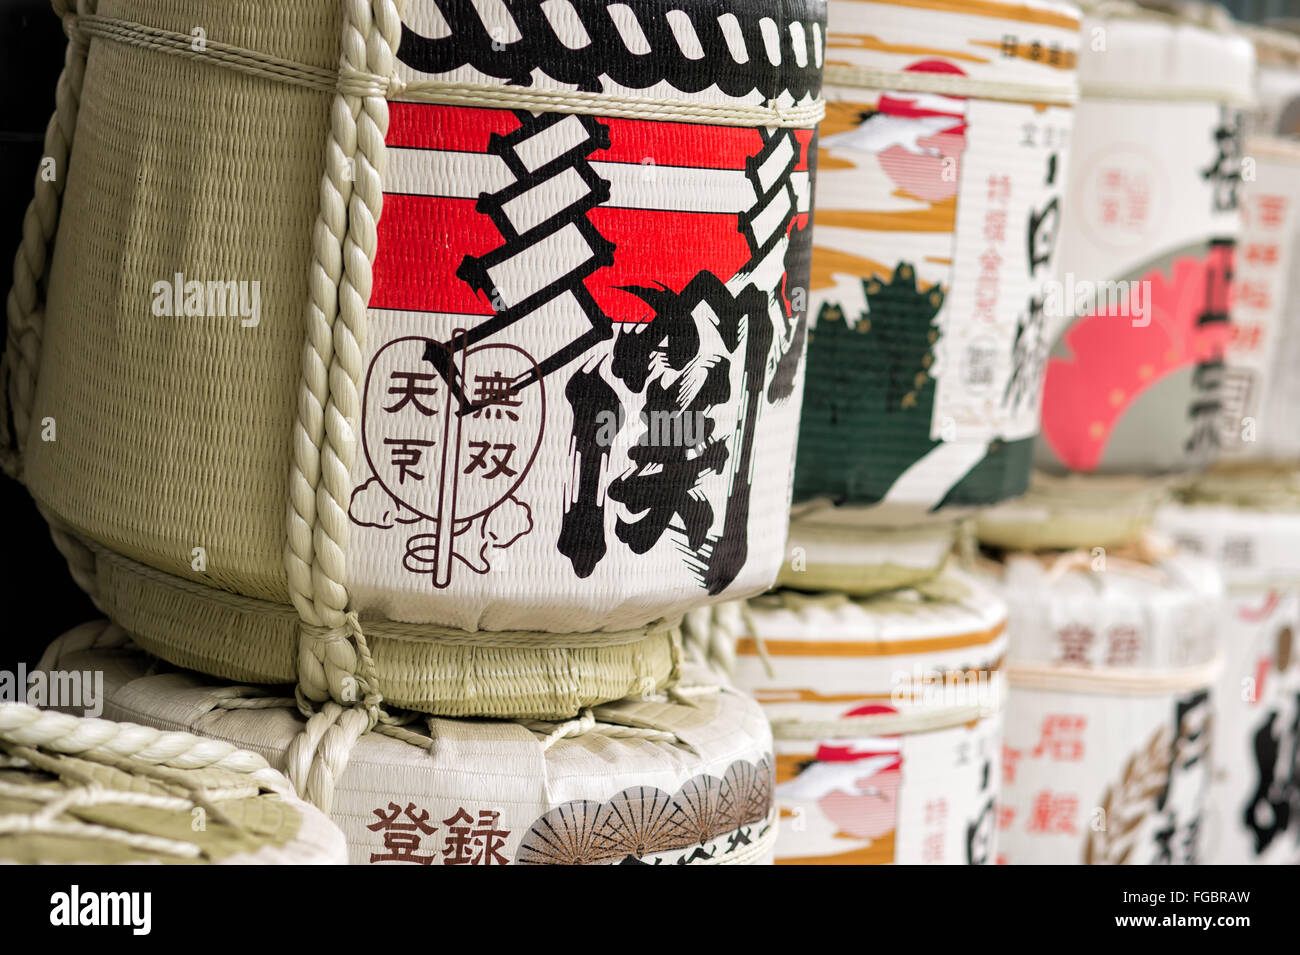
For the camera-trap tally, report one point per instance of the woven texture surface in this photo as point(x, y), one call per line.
point(1134, 381)
point(498, 674)
point(1073, 511)
point(77, 790)
point(173, 431)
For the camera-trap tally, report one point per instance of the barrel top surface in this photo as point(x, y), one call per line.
point(954, 606)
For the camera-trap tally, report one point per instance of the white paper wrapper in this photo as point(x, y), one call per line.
point(1253, 548)
point(584, 360)
point(1262, 407)
point(1104, 778)
point(941, 169)
point(654, 782)
point(1108, 612)
point(1255, 794)
point(1141, 319)
point(886, 714)
point(1106, 757)
point(1255, 804)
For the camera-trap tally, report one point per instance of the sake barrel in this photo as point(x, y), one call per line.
point(1263, 398)
point(942, 163)
point(1140, 315)
point(1106, 756)
point(683, 780)
point(887, 718)
point(82, 791)
point(1254, 812)
point(492, 313)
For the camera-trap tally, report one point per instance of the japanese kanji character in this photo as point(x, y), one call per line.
point(402, 839)
point(495, 392)
point(500, 463)
point(406, 455)
point(409, 393)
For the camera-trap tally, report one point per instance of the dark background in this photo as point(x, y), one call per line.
point(39, 599)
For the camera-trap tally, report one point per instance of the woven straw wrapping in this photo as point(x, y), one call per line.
point(886, 713)
point(1064, 512)
point(87, 791)
point(1110, 714)
point(942, 162)
point(686, 780)
point(828, 551)
point(254, 145)
point(173, 433)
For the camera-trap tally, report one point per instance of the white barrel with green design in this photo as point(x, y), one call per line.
point(941, 170)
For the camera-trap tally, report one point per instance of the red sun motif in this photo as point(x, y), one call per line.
point(1111, 363)
point(938, 137)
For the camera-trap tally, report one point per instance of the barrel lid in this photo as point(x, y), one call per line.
point(946, 607)
point(828, 549)
point(1277, 112)
point(912, 660)
point(1062, 512)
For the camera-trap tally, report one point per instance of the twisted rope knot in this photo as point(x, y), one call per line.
point(70, 13)
point(355, 82)
point(72, 29)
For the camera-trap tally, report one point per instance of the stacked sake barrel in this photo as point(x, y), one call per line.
point(685, 779)
point(1114, 635)
point(887, 717)
point(944, 147)
point(553, 264)
point(1261, 395)
point(941, 169)
point(1245, 515)
point(1251, 530)
point(1106, 756)
point(1135, 386)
